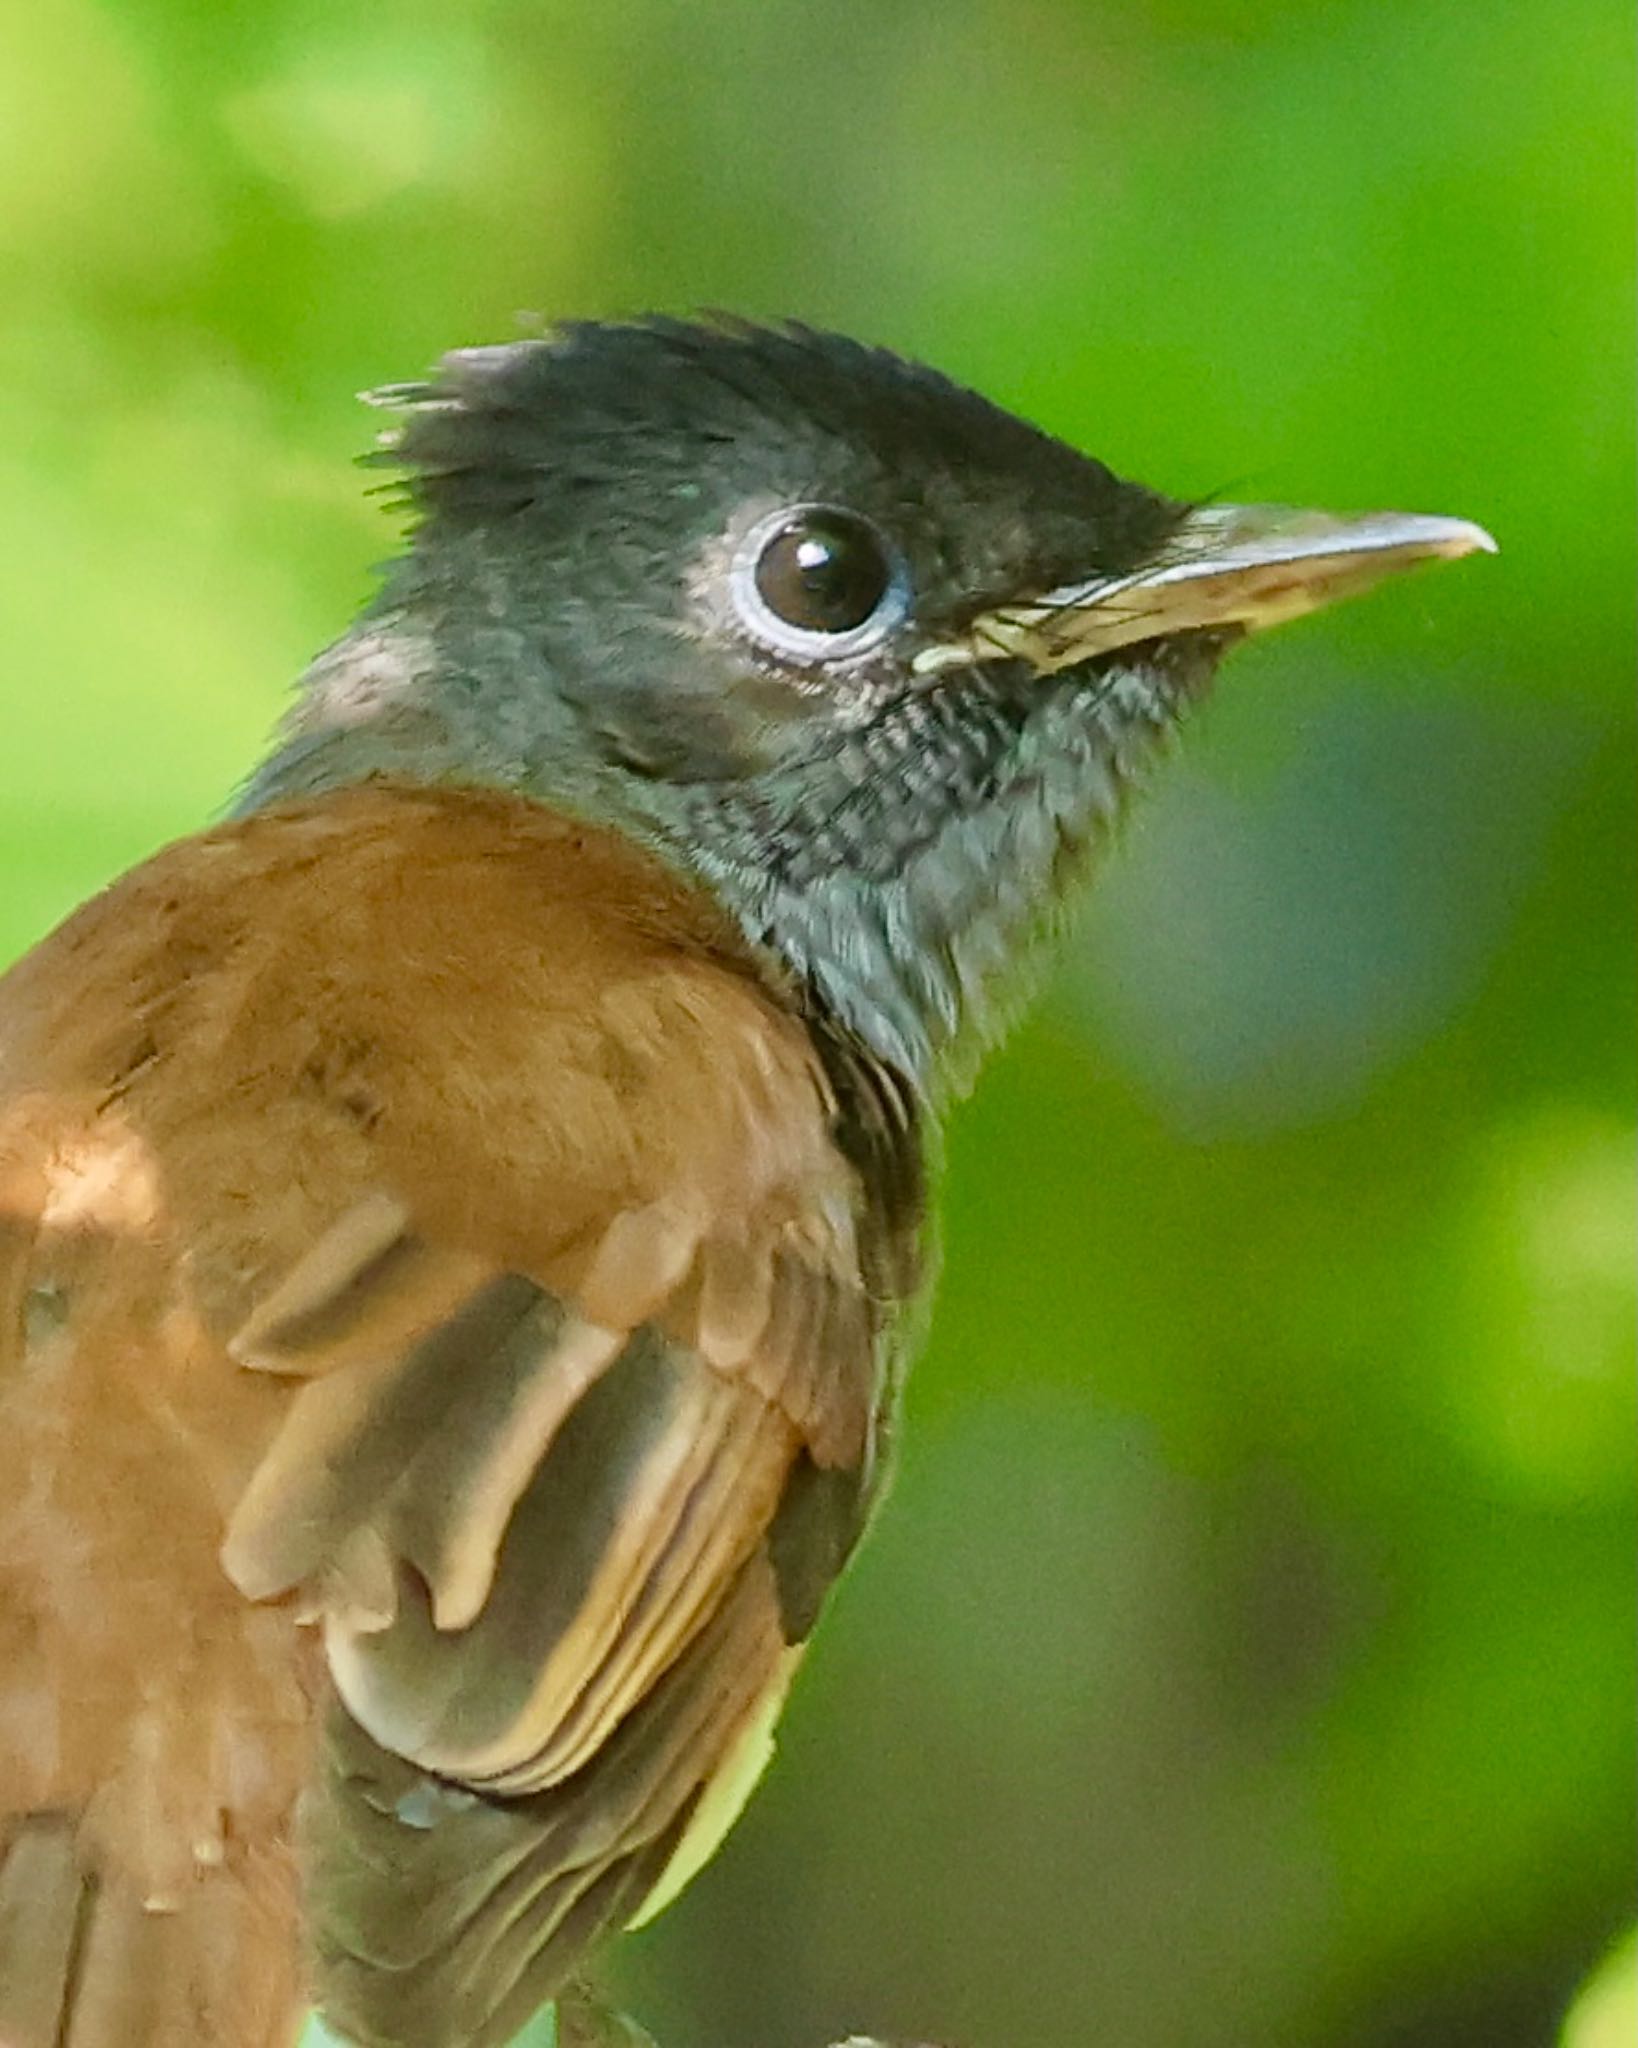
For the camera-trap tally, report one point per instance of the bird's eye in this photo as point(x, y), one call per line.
point(823, 572)
point(819, 583)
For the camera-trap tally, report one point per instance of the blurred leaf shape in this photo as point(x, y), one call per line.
point(357, 121)
point(1605, 2015)
point(1539, 1357)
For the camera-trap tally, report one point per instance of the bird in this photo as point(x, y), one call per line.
point(463, 1215)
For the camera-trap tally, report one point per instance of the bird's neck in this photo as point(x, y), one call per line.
point(907, 879)
point(901, 875)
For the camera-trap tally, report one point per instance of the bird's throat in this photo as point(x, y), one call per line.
point(905, 877)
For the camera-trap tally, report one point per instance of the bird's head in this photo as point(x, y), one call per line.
point(870, 656)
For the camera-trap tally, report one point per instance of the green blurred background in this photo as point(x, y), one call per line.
point(1245, 1658)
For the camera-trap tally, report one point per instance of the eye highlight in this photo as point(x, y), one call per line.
point(819, 583)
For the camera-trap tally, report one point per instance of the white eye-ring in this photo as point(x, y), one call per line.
point(819, 583)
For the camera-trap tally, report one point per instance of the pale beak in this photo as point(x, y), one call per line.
point(1227, 565)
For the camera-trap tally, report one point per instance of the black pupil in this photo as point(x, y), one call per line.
point(824, 572)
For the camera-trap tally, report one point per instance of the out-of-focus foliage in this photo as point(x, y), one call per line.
point(1606, 2013)
point(1245, 1657)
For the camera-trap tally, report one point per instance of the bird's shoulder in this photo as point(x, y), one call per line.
point(518, 1023)
point(470, 915)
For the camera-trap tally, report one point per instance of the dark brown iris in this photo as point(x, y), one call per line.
point(824, 572)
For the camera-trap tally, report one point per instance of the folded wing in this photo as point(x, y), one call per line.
point(456, 1305)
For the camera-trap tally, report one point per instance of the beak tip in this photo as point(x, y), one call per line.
point(1468, 538)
